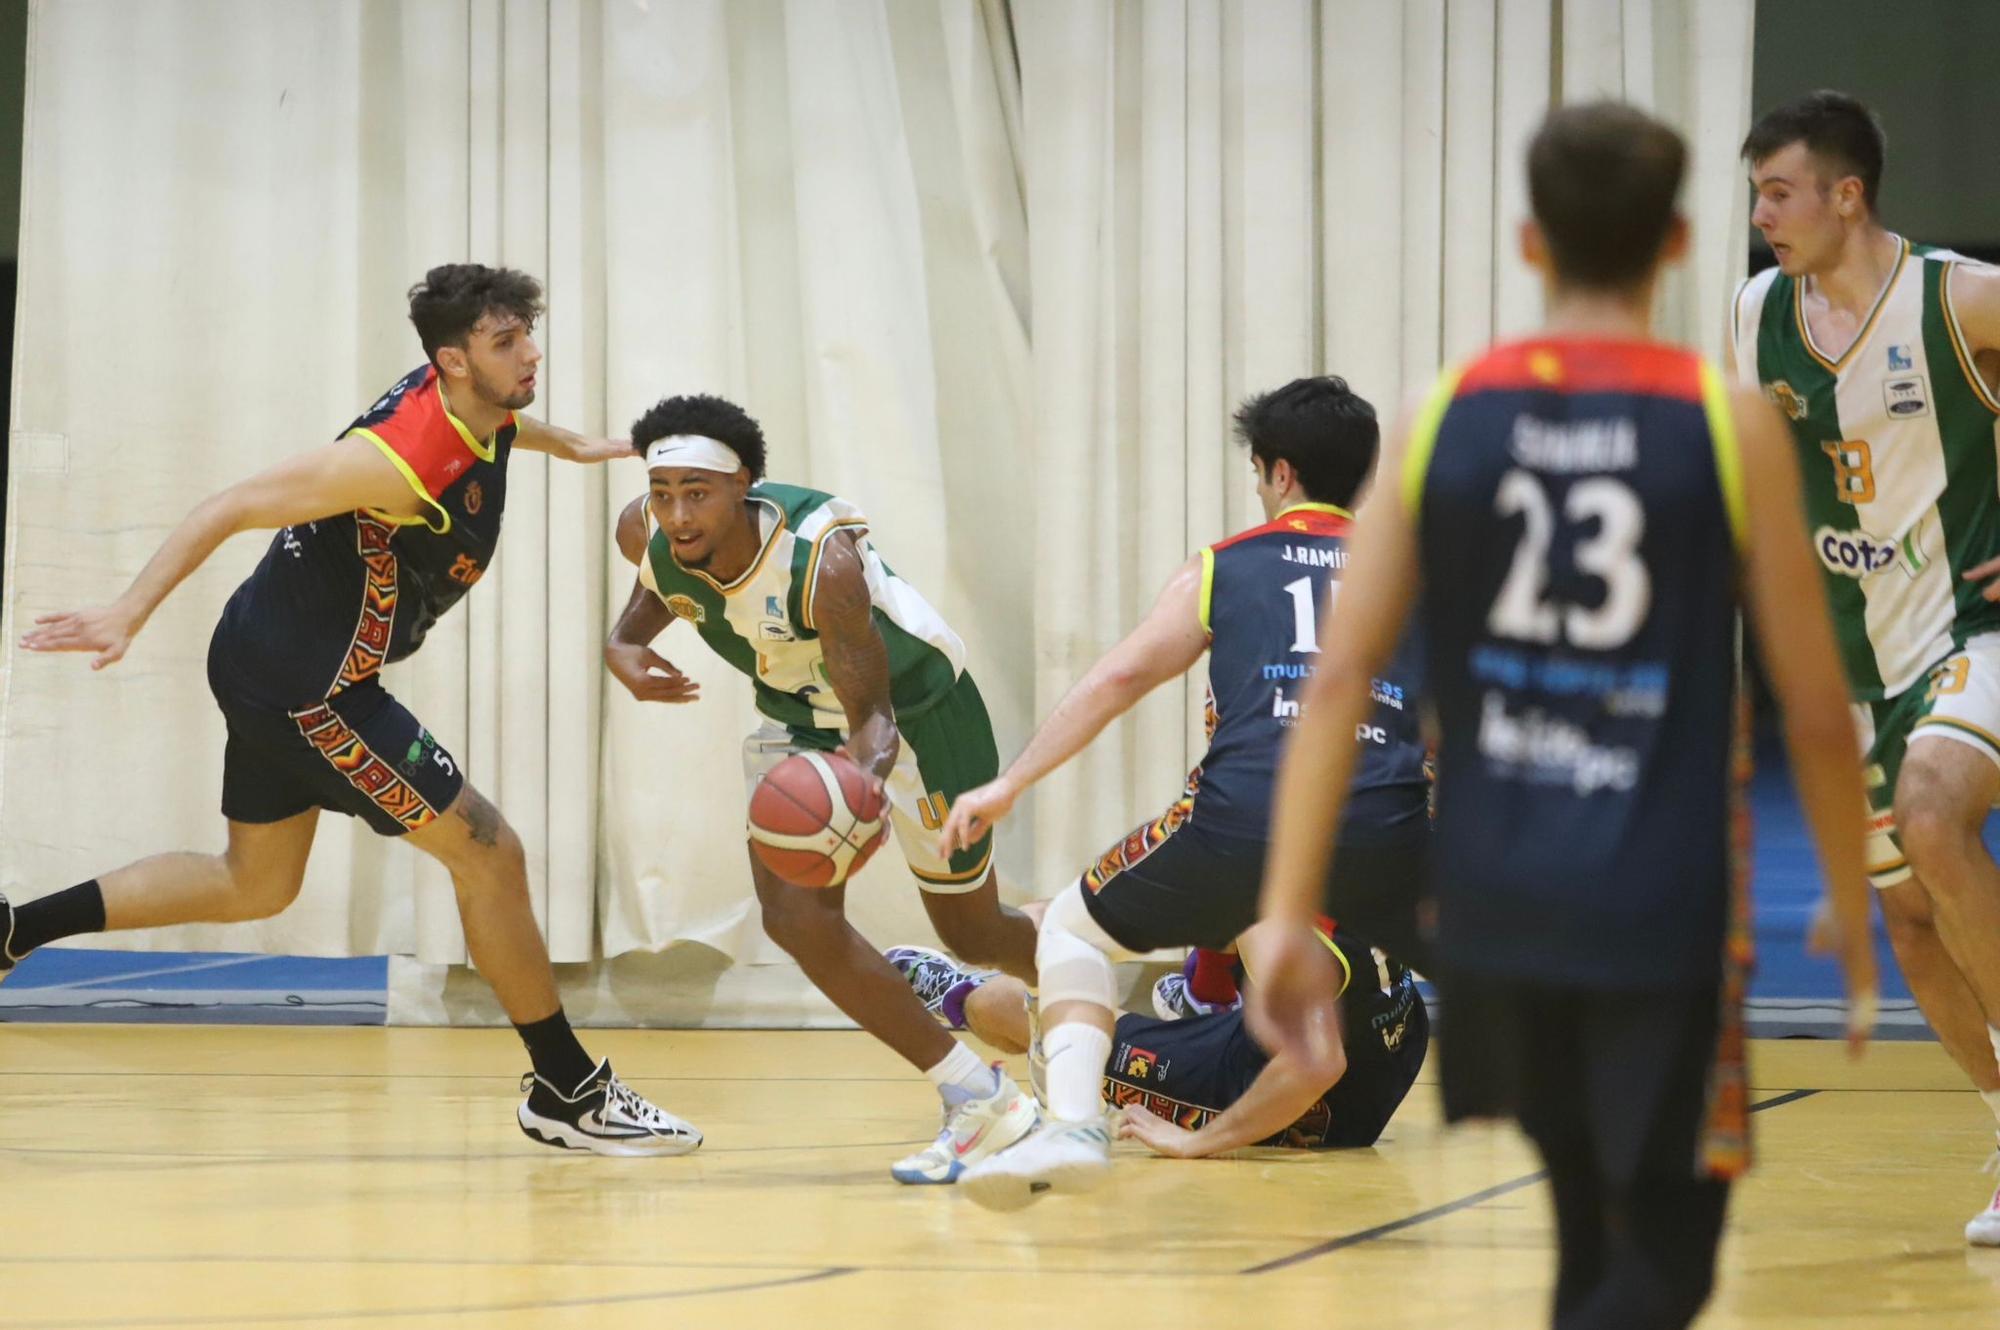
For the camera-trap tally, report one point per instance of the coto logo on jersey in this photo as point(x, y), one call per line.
point(1904, 398)
point(1853, 554)
point(687, 607)
point(1786, 398)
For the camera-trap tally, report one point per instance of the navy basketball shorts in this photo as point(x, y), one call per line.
point(359, 752)
point(1192, 1069)
point(1174, 883)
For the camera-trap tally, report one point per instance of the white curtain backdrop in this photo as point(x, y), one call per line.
point(997, 272)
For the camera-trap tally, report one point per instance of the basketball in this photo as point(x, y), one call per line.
point(815, 818)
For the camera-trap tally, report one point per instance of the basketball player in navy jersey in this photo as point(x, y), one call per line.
point(1190, 877)
point(379, 533)
point(1580, 515)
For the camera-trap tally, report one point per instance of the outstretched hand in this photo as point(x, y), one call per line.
point(106, 630)
point(647, 675)
point(973, 814)
point(1156, 1133)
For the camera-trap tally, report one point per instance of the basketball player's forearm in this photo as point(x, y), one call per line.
point(541, 437)
point(213, 521)
point(1099, 698)
point(1311, 792)
point(857, 665)
point(1278, 1097)
point(645, 618)
point(1826, 767)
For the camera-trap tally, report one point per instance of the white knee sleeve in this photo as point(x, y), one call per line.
point(1073, 955)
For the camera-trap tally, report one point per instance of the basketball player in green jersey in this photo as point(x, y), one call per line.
point(1885, 357)
point(783, 583)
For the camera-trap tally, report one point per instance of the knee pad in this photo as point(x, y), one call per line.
point(1073, 955)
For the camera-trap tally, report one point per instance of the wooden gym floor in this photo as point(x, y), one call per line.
point(366, 1177)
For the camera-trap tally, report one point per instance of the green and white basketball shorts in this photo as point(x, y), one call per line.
point(1959, 698)
point(947, 750)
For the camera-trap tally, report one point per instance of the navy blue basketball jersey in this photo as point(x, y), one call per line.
point(1578, 509)
point(334, 600)
point(1262, 594)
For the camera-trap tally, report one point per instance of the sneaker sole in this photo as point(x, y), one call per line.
point(1980, 1233)
point(563, 1136)
point(1009, 1191)
point(1023, 1120)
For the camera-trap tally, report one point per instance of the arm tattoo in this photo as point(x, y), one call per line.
point(857, 659)
point(481, 816)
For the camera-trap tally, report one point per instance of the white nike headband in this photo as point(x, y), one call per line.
point(695, 450)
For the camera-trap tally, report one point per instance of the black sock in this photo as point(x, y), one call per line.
point(63, 914)
point(552, 1046)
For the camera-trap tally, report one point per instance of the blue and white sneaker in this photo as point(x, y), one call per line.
point(972, 1131)
point(933, 976)
point(1062, 1157)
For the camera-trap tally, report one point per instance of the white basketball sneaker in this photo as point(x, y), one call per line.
point(602, 1115)
point(972, 1132)
point(1983, 1229)
point(1061, 1157)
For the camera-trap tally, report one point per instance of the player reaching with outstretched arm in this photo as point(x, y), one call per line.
point(1190, 877)
point(379, 533)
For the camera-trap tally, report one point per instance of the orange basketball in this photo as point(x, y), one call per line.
point(816, 818)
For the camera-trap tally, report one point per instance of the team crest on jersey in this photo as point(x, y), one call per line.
point(1786, 398)
point(1139, 1063)
point(1900, 358)
point(687, 607)
point(1905, 398)
point(475, 497)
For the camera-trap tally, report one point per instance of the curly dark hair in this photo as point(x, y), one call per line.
point(453, 297)
point(1326, 430)
point(1836, 129)
point(712, 418)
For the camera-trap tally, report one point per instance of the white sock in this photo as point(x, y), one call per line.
point(1075, 1053)
point(962, 1076)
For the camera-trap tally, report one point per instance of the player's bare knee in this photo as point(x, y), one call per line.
point(797, 924)
point(256, 890)
point(1934, 832)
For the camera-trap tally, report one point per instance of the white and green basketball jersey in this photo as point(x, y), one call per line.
point(762, 623)
point(1897, 442)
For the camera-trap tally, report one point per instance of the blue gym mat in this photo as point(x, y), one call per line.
point(1793, 994)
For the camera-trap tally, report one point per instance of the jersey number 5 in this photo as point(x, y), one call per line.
point(1611, 555)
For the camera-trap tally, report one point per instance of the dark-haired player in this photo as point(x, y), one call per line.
point(1192, 1086)
point(1580, 514)
point(1251, 604)
point(784, 584)
point(1885, 357)
point(379, 533)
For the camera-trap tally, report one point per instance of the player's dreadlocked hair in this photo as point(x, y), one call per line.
point(453, 297)
point(710, 417)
